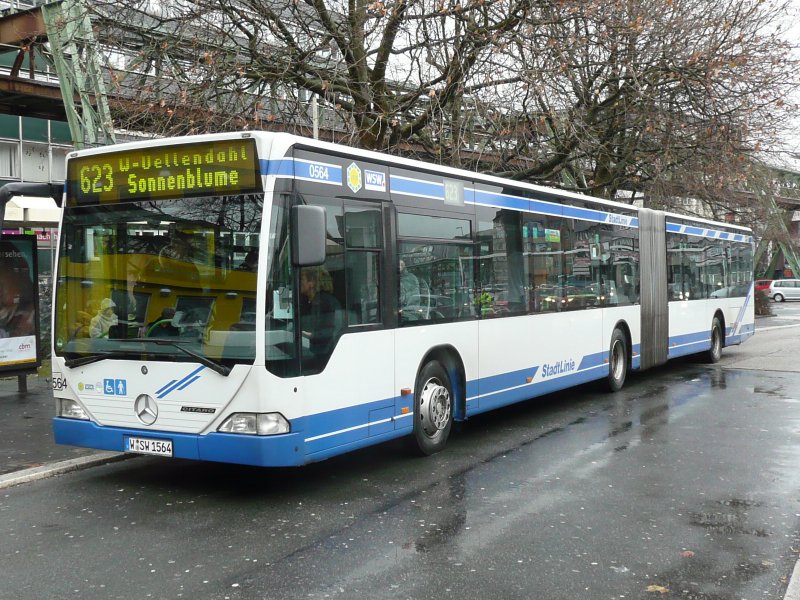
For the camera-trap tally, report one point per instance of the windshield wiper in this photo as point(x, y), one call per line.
point(203, 360)
point(86, 360)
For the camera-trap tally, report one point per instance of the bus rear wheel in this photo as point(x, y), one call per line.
point(617, 361)
point(433, 408)
point(715, 351)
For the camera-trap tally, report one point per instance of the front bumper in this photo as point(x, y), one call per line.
point(263, 451)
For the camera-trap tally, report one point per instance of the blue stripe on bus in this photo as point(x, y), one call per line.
point(503, 382)
point(743, 309)
point(707, 233)
point(688, 348)
point(416, 187)
point(585, 214)
point(319, 436)
point(511, 396)
point(688, 338)
point(745, 333)
point(689, 343)
point(283, 167)
point(507, 388)
point(353, 423)
point(591, 361)
point(356, 444)
point(189, 382)
point(319, 172)
point(428, 189)
point(485, 198)
point(330, 433)
point(288, 167)
point(636, 357)
point(179, 384)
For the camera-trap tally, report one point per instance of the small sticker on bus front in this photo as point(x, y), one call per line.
point(115, 387)
point(354, 181)
point(374, 181)
point(59, 382)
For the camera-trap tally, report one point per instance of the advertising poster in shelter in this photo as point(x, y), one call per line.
point(19, 303)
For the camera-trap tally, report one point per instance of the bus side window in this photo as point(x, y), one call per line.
point(363, 245)
point(322, 302)
point(363, 288)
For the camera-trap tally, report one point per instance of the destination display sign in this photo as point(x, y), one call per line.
point(221, 167)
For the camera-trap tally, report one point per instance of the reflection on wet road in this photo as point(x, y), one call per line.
point(684, 485)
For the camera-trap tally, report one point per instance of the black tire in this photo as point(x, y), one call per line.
point(778, 297)
point(433, 409)
point(714, 353)
point(617, 361)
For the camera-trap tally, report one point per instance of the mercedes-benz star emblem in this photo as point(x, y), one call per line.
point(146, 409)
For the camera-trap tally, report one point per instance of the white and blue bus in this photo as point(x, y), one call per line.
point(267, 299)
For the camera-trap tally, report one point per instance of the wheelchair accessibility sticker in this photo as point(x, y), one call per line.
point(115, 387)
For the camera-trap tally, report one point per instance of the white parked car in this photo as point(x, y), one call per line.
point(784, 289)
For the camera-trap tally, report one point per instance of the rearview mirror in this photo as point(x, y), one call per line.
point(308, 235)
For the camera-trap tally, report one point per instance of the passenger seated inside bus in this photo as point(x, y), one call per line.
point(104, 320)
point(321, 315)
point(83, 320)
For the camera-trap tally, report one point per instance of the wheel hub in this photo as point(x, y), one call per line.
point(617, 360)
point(434, 407)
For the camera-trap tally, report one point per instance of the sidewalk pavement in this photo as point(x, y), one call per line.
point(26, 434)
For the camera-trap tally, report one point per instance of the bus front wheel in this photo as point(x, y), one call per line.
point(433, 408)
point(617, 361)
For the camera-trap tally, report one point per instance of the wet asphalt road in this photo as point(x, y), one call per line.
point(684, 485)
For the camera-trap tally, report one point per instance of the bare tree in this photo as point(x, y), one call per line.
point(668, 98)
point(387, 74)
point(663, 98)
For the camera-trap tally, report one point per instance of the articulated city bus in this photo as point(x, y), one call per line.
point(266, 299)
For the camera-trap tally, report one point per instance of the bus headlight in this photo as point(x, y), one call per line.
point(71, 410)
point(255, 424)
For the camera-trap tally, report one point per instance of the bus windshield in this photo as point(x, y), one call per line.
point(173, 279)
